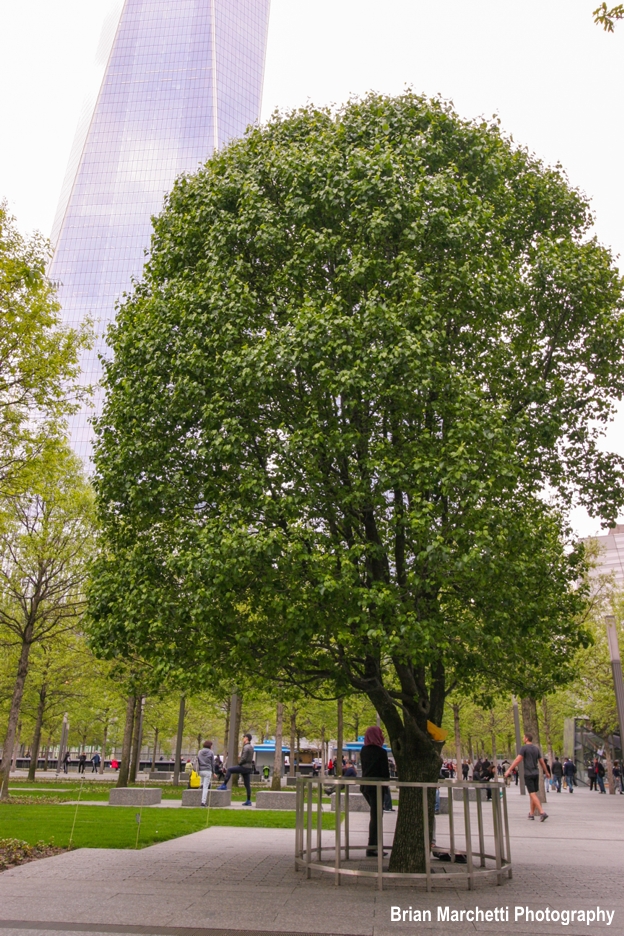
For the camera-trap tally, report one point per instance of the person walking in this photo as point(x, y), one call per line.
point(600, 775)
point(591, 773)
point(96, 760)
point(244, 768)
point(205, 768)
point(617, 776)
point(532, 757)
point(569, 769)
point(82, 760)
point(557, 774)
point(465, 767)
point(66, 761)
point(375, 766)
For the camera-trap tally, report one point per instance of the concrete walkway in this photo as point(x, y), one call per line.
point(234, 881)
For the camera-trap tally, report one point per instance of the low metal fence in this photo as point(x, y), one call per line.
point(475, 859)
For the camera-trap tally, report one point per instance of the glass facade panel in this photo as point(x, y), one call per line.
point(183, 77)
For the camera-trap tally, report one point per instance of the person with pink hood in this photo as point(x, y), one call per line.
point(374, 760)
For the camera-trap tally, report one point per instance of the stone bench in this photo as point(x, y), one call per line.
point(276, 799)
point(357, 803)
point(160, 775)
point(458, 797)
point(134, 796)
point(216, 798)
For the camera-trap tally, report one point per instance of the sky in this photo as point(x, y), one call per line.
point(553, 78)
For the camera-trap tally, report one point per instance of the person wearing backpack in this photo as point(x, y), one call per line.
point(205, 768)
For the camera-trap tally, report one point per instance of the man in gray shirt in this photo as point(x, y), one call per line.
point(532, 757)
point(244, 768)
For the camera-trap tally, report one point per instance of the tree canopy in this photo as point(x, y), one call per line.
point(363, 378)
point(39, 360)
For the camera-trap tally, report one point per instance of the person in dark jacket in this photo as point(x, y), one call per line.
point(591, 773)
point(600, 775)
point(244, 768)
point(375, 766)
point(569, 769)
point(557, 773)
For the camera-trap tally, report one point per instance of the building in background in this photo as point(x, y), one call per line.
point(610, 555)
point(181, 78)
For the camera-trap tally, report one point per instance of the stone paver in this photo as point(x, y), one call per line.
point(243, 879)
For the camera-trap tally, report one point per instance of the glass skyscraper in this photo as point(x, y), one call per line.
point(182, 77)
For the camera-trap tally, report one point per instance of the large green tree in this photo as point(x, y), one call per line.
point(366, 345)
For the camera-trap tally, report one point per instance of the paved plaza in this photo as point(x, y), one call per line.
point(225, 881)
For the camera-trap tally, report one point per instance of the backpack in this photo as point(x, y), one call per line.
point(194, 780)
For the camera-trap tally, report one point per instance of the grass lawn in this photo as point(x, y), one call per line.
point(116, 826)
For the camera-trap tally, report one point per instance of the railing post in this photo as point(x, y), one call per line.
point(427, 843)
point(508, 842)
point(309, 832)
point(379, 800)
point(468, 830)
point(480, 825)
point(346, 830)
point(497, 834)
point(319, 821)
point(451, 820)
point(337, 798)
point(298, 825)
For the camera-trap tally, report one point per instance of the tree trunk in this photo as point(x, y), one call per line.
point(136, 739)
point(226, 733)
point(36, 742)
point(179, 736)
point(293, 742)
point(14, 711)
point(276, 783)
point(493, 738)
point(155, 749)
point(547, 732)
point(531, 726)
point(47, 752)
point(609, 761)
point(104, 740)
point(418, 761)
point(323, 751)
point(234, 755)
point(458, 750)
point(124, 767)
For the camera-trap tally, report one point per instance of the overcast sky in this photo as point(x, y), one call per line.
point(553, 78)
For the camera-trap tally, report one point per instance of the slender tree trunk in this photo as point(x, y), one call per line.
point(14, 711)
point(531, 726)
point(493, 738)
point(36, 742)
point(155, 749)
point(293, 742)
point(136, 739)
point(47, 752)
point(124, 767)
point(179, 736)
point(226, 733)
point(276, 782)
point(547, 732)
point(323, 751)
point(458, 750)
point(104, 741)
point(609, 761)
point(234, 755)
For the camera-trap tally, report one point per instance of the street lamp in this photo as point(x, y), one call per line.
point(616, 669)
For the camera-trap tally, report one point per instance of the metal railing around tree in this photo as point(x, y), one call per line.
point(468, 855)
